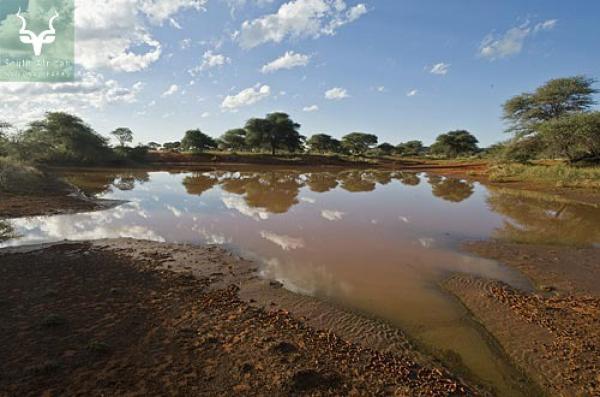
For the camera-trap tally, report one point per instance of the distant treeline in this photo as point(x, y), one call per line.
point(554, 121)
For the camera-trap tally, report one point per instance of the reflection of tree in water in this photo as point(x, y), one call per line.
point(357, 181)
point(408, 178)
point(98, 182)
point(537, 219)
point(321, 182)
point(6, 231)
point(381, 177)
point(276, 192)
point(450, 189)
point(199, 183)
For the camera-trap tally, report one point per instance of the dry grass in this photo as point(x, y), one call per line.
point(559, 175)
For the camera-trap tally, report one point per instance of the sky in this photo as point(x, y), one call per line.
point(400, 69)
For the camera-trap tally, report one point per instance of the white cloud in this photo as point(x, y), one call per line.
point(380, 88)
point(171, 90)
point(298, 18)
point(332, 215)
point(440, 68)
point(115, 35)
point(412, 93)
point(288, 60)
point(23, 102)
point(311, 108)
point(246, 97)
point(336, 93)
point(512, 41)
point(205, 115)
point(210, 60)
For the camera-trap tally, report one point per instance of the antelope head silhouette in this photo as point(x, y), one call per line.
point(37, 41)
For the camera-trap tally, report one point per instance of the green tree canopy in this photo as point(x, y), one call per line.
point(357, 143)
point(61, 137)
point(576, 136)
point(322, 143)
point(171, 145)
point(154, 145)
point(386, 149)
point(410, 148)
point(4, 127)
point(196, 140)
point(234, 139)
point(123, 135)
point(276, 131)
point(455, 143)
point(556, 98)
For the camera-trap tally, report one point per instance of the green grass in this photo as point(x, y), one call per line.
point(559, 175)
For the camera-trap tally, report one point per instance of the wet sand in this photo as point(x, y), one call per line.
point(106, 318)
point(552, 334)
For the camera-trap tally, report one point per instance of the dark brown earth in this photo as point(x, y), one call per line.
point(13, 206)
point(88, 319)
point(552, 334)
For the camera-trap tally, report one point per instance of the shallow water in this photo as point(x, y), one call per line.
point(371, 241)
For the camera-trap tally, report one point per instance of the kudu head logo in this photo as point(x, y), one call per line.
point(37, 41)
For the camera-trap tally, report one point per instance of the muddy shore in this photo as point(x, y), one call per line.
point(115, 317)
point(552, 334)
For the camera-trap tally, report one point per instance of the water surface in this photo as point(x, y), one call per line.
point(371, 241)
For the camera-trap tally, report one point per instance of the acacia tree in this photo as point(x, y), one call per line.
point(154, 145)
point(410, 148)
point(276, 131)
point(322, 143)
point(123, 135)
point(386, 149)
point(357, 143)
point(196, 140)
point(234, 139)
point(4, 127)
point(576, 136)
point(455, 143)
point(555, 99)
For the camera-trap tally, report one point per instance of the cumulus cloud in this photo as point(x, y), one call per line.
point(246, 97)
point(412, 93)
point(311, 108)
point(511, 42)
point(171, 90)
point(336, 93)
point(289, 60)
point(23, 102)
point(439, 68)
point(210, 60)
point(115, 34)
point(298, 18)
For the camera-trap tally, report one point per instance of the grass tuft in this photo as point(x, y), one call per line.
point(560, 175)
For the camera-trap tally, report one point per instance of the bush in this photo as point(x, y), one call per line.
point(560, 175)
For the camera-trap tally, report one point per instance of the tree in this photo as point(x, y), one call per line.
point(455, 143)
point(322, 143)
point(61, 138)
point(357, 143)
point(171, 145)
point(4, 127)
point(154, 145)
point(386, 149)
point(196, 140)
point(124, 135)
point(576, 136)
point(410, 148)
point(276, 131)
point(555, 99)
point(234, 139)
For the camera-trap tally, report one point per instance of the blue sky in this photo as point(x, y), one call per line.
point(141, 64)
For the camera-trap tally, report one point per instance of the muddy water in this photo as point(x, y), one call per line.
point(371, 241)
